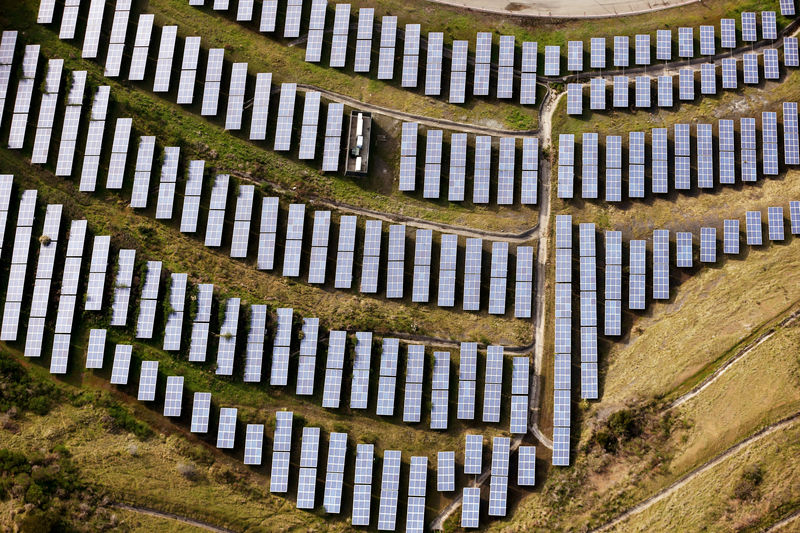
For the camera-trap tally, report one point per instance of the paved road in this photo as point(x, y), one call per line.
point(566, 8)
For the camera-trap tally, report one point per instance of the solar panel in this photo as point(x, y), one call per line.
point(164, 62)
point(769, 29)
point(727, 33)
point(316, 30)
point(621, 51)
point(147, 381)
point(598, 53)
point(364, 39)
point(201, 405)
point(708, 79)
point(122, 287)
point(620, 91)
point(526, 474)
point(684, 249)
point(283, 133)
point(282, 439)
point(337, 448)
point(472, 274)
point(775, 223)
point(480, 181)
point(575, 56)
point(664, 45)
point(552, 59)
point(96, 347)
point(574, 99)
point(787, 7)
point(116, 46)
point(291, 27)
point(470, 507)
point(499, 271)
point(750, 62)
point(707, 45)
point(387, 45)
point(753, 227)
point(597, 94)
point(341, 32)
point(433, 67)
point(730, 243)
point(790, 52)
point(642, 91)
point(561, 446)
point(122, 363)
point(642, 49)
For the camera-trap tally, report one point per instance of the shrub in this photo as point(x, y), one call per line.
point(746, 489)
point(606, 440)
point(123, 419)
point(624, 424)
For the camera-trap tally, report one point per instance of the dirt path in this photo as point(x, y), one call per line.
point(172, 516)
point(777, 526)
point(741, 353)
point(680, 483)
point(566, 8)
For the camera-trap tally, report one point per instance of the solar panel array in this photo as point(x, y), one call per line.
point(387, 380)
point(588, 306)
point(201, 405)
point(417, 481)
point(505, 68)
point(769, 143)
point(22, 105)
point(119, 153)
point(705, 156)
point(148, 376)
point(95, 349)
point(467, 380)
point(260, 107)
point(661, 264)
point(636, 158)
point(294, 240)
point(334, 474)
point(122, 287)
point(458, 72)
point(386, 50)
point(613, 289)
point(308, 131)
point(213, 82)
point(422, 266)
point(472, 274)
point(371, 257)
point(574, 99)
point(791, 146)
point(309, 458)
point(359, 386)
point(753, 228)
point(433, 164)
point(415, 362)
point(523, 293)
point(226, 433)
point(620, 98)
point(69, 286)
point(411, 40)
point(527, 84)
point(395, 268)
point(8, 45)
point(366, 16)
point(94, 22)
point(177, 302)
point(294, 11)
point(390, 488)
point(520, 377)
point(281, 449)
point(563, 332)
point(254, 353)
point(233, 118)
point(483, 60)
point(69, 131)
point(408, 157)
point(333, 372)
point(283, 132)
point(141, 175)
point(267, 233)
point(306, 367)
point(148, 302)
point(198, 345)
point(433, 66)
point(362, 484)
point(643, 92)
point(589, 145)
point(345, 252)
point(41, 288)
point(166, 50)
point(227, 338)
point(122, 364)
point(94, 139)
point(141, 46)
point(216, 211)
point(316, 30)
point(241, 222)
point(498, 281)
point(493, 384)
point(333, 136)
point(167, 182)
point(498, 484)
point(482, 169)
point(341, 32)
point(566, 162)
point(447, 270)
point(440, 386)
point(47, 110)
point(69, 19)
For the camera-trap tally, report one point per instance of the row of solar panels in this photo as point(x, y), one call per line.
point(598, 52)
point(562, 358)
point(306, 481)
point(714, 161)
point(73, 112)
point(482, 166)
point(685, 256)
point(665, 97)
point(664, 45)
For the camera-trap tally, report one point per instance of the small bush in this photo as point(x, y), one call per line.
point(746, 489)
point(606, 440)
point(624, 424)
point(187, 470)
point(123, 419)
